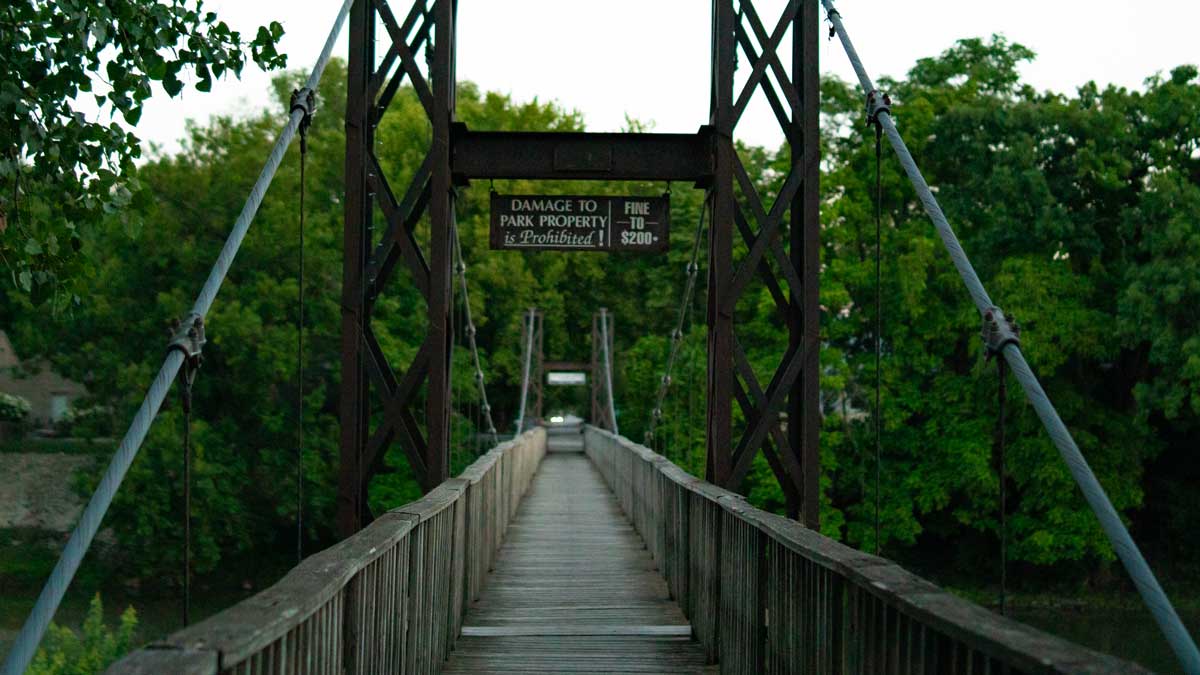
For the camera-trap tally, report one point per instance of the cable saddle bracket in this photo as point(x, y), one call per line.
point(999, 331)
point(304, 100)
point(187, 337)
point(877, 102)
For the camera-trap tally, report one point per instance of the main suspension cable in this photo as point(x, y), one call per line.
point(1110, 521)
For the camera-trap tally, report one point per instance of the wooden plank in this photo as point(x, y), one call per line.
point(577, 585)
point(568, 628)
point(574, 587)
point(247, 628)
point(160, 658)
point(815, 604)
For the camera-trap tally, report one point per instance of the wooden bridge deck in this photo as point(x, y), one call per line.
point(574, 589)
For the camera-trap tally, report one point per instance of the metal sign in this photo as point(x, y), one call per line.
point(566, 379)
point(580, 223)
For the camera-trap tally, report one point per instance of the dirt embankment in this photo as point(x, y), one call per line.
point(36, 490)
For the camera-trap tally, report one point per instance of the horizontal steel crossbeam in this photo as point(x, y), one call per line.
point(581, 155)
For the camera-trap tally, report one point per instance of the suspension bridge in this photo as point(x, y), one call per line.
point(567, 547)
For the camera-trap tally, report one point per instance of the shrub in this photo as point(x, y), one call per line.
point(66, 652)
point(87, 422)
point(13, 408)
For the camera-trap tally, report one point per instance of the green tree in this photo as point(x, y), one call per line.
point(244, 418)
point(1161, 240)
point(1054, 199)
point(61, 173)
point(1078, 211)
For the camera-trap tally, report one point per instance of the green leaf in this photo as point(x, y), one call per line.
point(172, 85)
point(100, 32)
point(205, 83)
point(116, 74)
point(156, 66)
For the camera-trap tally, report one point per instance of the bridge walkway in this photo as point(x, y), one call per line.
point(574, 589)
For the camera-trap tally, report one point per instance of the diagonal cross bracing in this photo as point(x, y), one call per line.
point(370, 263)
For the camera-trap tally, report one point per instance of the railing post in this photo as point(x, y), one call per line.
point(704, 541)
point(740, 590)
point(683, 549)
point(349, 629)
point(837, 625)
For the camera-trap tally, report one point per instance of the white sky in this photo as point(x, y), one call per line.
point(649, 58)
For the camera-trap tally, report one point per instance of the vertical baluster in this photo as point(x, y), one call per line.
point(837, 624)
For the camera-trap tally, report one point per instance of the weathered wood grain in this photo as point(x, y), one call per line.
point(574, 587)
point(160, 658)
point(765, 594)
point(607, 558)
point(387, 600)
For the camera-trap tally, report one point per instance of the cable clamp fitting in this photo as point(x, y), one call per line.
point(304, 100)
point(829, 17)
point(877, 102)
point(187, 336)
point(999, 331)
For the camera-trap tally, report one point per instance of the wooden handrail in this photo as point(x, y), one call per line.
point(389, 599)
point(763, 593)
point(766, 594)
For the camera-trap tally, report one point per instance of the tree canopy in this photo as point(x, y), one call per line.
point(1078, 210)
point(63, 172)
